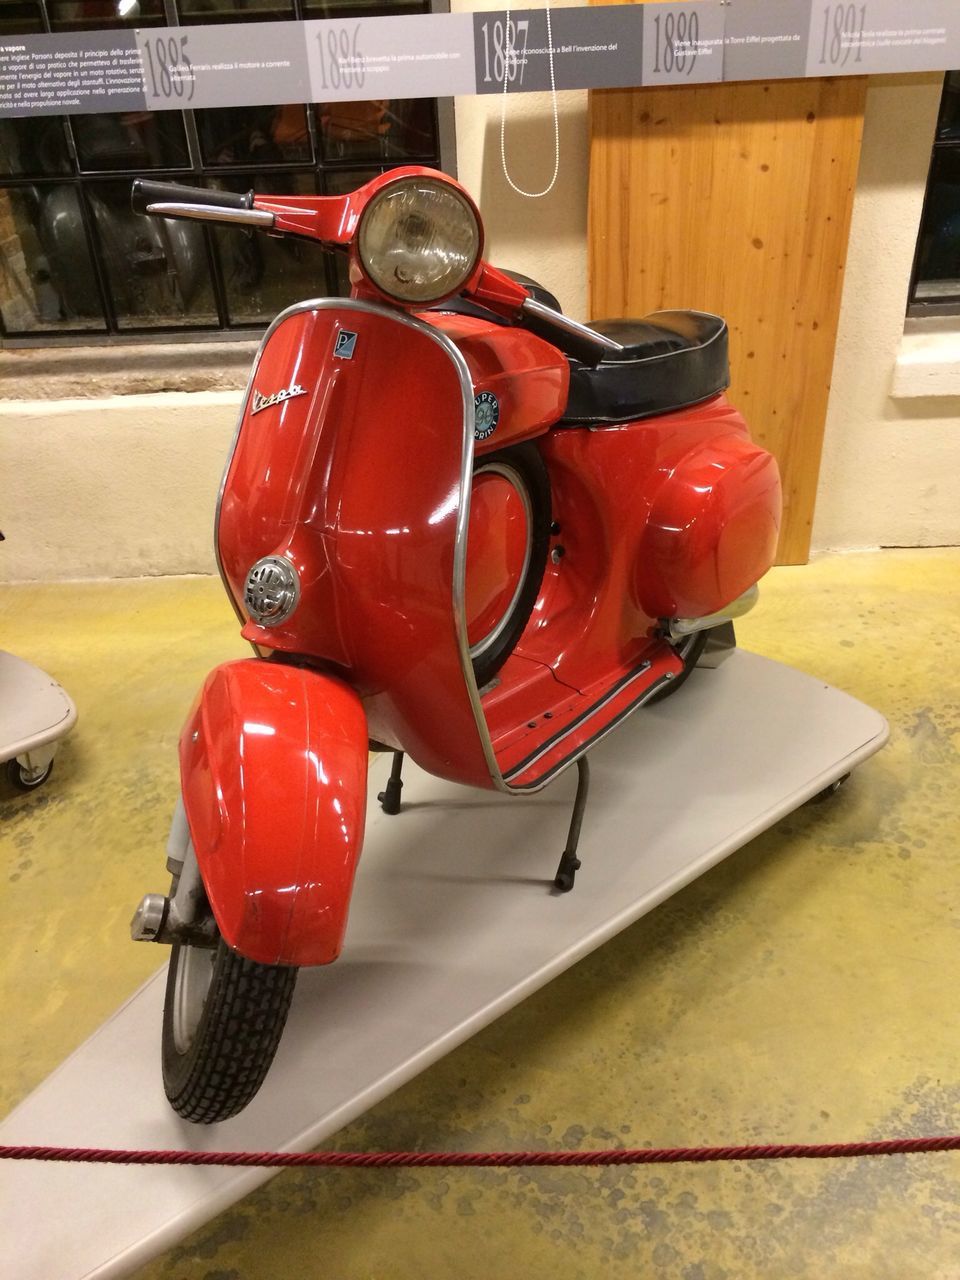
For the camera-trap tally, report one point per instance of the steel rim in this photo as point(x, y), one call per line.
point(195, 967)
point(514, 478)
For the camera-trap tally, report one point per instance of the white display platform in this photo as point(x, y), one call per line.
point(454, 921)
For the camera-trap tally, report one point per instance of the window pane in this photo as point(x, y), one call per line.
point(18, 19)
point(938, 269)
point(362, 8)
point(340, 182)
point(381, 129)
point(264, 274)
point(255, 136)
point(74, 257)
point(47, 280)
point(157, 269)
point(199, 11)
point(131, 140)
point(95, 15)
point(34, 147)
point(949, 126)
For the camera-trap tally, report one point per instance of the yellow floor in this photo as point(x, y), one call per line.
point(806, 989)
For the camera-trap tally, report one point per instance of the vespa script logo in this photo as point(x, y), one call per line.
point(266, 402)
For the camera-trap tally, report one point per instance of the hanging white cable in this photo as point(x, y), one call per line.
point(508, 52)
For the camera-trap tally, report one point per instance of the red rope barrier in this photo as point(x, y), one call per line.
point(489, 1159)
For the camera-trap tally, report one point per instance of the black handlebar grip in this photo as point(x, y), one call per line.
point(145, 192)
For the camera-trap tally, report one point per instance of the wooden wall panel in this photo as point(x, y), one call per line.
point(736, 198)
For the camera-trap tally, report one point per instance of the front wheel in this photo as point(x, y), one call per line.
point(223, 1017)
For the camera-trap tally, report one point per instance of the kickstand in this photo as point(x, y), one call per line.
point(569, 863)
point(390, 798)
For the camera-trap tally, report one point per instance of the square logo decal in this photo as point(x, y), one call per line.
point(345, 345)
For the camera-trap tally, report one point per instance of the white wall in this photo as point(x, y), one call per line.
point(890, 465)
point(544, 238)
point(127, 485)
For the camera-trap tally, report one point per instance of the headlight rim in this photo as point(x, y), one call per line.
point(445, 184)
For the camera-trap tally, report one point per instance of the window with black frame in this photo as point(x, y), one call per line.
point(75, 262)
point(935, 287)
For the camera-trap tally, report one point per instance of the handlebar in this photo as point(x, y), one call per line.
point(145, 193)
point(171, 200)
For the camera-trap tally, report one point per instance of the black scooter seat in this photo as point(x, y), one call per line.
point(671, 359)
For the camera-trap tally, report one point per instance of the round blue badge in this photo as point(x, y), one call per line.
point(486, 414)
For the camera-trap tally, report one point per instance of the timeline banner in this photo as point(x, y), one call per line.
point(444, 54)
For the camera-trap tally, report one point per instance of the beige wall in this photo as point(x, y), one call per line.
point(119, 487)
point(890, 465)
point(127, 485)
point(545, 238)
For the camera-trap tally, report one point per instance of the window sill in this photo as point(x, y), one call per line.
point(928, 362)
point(66, 373)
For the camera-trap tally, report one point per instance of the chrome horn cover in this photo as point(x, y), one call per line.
point(271, 591)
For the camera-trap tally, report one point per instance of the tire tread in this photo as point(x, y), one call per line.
point(236, 1040)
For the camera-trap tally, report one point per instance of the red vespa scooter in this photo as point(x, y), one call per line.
point(454, 524)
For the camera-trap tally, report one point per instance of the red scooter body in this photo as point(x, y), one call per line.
point(432, 552)
point(370, 497)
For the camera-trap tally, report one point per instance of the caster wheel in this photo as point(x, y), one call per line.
point(23, 780)
point(827, 792)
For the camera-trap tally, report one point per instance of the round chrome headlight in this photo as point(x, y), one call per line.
point(419, 240)
point(271, 591)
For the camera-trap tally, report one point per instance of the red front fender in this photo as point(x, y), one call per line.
point(273, 764)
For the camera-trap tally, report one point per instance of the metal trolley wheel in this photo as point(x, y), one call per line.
point(26, 779)
point(507, 547)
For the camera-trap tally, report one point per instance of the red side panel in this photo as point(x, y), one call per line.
point(670, 516)
point(273, 763)
point(529, 377)
point(712, 531)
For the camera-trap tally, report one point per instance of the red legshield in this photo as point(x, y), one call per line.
point(273, 763)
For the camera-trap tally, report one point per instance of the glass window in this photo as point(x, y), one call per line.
point(938, 255)
point(104, 15)
point(18, 19)
point(264, 274)
point(935, 288)
point(132, 141)
point(361, 8)
point(382, 129)
point(47, 278)
point(948, 127)
point(255, 136)
point(210, 11)
point(157, 269)
point(77, 260)
point(33, 147)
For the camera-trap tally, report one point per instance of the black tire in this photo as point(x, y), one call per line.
point(526, 462)
point(689, 649)
point(17, 776)
point(213, 1067)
